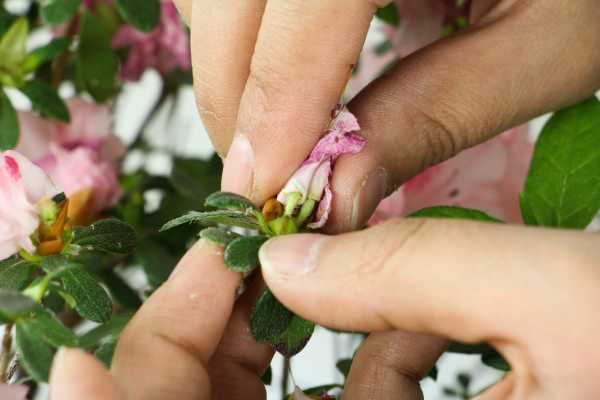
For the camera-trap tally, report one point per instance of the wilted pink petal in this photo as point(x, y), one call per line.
point(165, 48)
point(488, 177)
point(22, 186)
point(13, 392)
point(312, 179)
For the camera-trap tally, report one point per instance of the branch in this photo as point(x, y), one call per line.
point(6, 354)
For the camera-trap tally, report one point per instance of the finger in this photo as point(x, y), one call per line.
point(171, 339)
point(240, 361)
point(303, 58)
point(463, 90)
point(439, 277)
point(77, 375)
point(223, 34)
point(390, 363)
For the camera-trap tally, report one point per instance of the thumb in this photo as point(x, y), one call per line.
point(442, 277)
point(77, 375)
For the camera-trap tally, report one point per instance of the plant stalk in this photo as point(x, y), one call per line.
point(6, 354)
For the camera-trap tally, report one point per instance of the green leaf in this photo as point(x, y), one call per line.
point(220, 236)
point(269, 318)
point(46, 53)
point(210, 218)
point(143, 14)
point(495, 360)
point(453, 212)
point(271, 322)
point(108, 235)
point(92, 301)
point(96, 64)
point(6, 20)
point(9, 123)
point(57, 12)
point(241, 255)
point(267, 377)
point(230, 201)
point(433, 373)
point(295, 337)
point(46, 100)
point(105, 332)
point(563, 185)
point(106, 352)
point(14, 305)
point(321, 390)
point(13, 44)
point(34, 354)
point(55, 266)
point(49, 329)
point(389, 14)
point(344, 366)
point(157, 261)
point(15, 273)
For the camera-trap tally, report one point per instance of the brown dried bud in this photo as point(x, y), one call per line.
point(272, 209)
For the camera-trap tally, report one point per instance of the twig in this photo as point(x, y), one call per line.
point(6, 354)
point(60, 65)
point(286, 375)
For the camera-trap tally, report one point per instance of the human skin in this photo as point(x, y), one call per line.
point(268, 73)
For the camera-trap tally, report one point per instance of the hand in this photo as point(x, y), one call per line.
point(532, 293)
point(270, 71)
point(190, 340)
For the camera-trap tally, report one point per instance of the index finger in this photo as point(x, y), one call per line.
point(178, 329)
point(303, 57)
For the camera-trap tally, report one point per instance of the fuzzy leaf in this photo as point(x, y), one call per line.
point(50, 329)
point(109, 235)
point(57, 12)
point(241, 255)
point(271, 322)
point(9, 123)
point(92, 301)
point(295, 337)
point(15, 273)
point(344, 366)
point(34, 354)
point(143, 14)
point(46, 101)
point(563, 186)
point(229, 201)
point(55, 266)
point(270, 318)
point(211, 218)
point(14, 305)
point(220, 236)
point(453, 212)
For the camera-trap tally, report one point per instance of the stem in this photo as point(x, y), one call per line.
point(6, 354)
point(58, 72)
point(286, 375)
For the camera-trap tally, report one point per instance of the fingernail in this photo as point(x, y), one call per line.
point(291, 255)
point(372, 190)
point(238, 172)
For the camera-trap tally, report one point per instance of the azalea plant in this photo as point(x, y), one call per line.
point(76, 224)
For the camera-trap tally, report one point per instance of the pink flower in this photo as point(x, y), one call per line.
point(488, 177)
point(23, 186)
point(87, 140)
point(13, 392)
point(80, 169)
point(311, 181)
point(165, 48)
